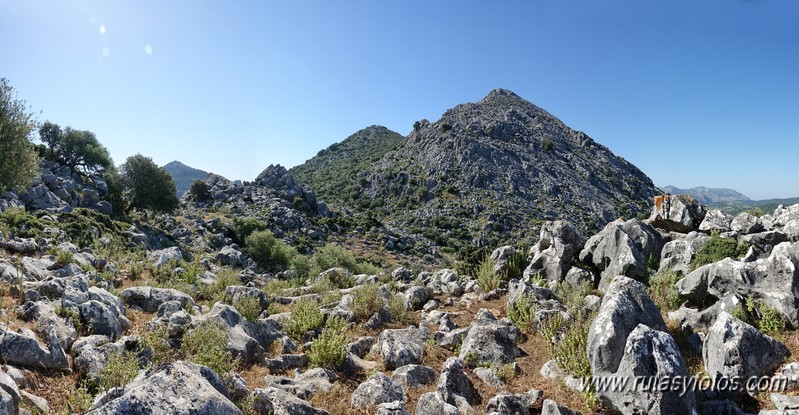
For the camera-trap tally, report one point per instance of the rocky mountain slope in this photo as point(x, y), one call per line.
point(708, 195)
point(332, 172)
point(183, 176)
point(489, 171)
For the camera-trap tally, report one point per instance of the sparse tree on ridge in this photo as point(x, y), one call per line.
point(78, 149)
point(21, 162)
point(148, 186)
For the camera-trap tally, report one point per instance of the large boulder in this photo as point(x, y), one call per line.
point(402, 346)
point(165, 256)
point(773, 280)
point(628, 338)
point(650, 356)
point(490, 341)
point(735, 350)
point(413, 376)
point(558, 244)
point(454, 386)
point(174, 388)
point(716, 220)
point(22, 349)
point(625, 306)
point(678, 254)
point(10, 396)
point(515, 404)
point(304, 385)
point(378, 389)
point(679, 213)
point(275, 401)
point(622, 248)
point(524, 294)
point(100, 319)
point(148, 299)
point(746, 223)
point(433, 403)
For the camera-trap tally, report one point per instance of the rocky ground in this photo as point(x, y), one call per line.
point(170, 314)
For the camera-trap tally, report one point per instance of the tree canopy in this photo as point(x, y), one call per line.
point(16, 125)
point(148, 186)
point(78, 149)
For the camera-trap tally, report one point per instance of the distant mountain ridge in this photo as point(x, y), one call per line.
point(707, 195)
point(183, 176)
point(486, 172)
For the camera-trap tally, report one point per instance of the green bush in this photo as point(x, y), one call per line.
point(716, 249)
point(772, 322)
point(486, 277)
point(216, 292)
point(206, 345)
point(246, 226)
point(63, 258)
point(756, 211)
point(268, 251)
point(249, 307)
point(301, 266)
point(305, 316)
point(572, 295)
point(663, 290)
point(396, 307)
point(199, 190)
point(158, 339)
point(366, 301)
point(17, 122)
point(330, 348)
point(120, 369)
point(523, 312)
point(18, 222)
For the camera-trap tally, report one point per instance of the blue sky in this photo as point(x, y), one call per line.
point(692, 92)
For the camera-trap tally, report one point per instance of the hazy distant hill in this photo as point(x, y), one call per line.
point(707, 195)
point(183, 176)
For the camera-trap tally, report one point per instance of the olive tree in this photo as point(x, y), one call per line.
point(148, 186)
point(20, 160)
point(78, 149)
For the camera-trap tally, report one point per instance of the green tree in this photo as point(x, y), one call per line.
point(78, 149)
point(199, 190)
point(148, 186)
point(16, 125)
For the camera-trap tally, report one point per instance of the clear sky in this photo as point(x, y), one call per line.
point(692, 92)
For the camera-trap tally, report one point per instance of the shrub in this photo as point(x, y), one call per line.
point(120, 369)
point(206, 345)
point(199, 190)
point(135, 270)
point(330, 348)
point(756, 211)
point(301, 267)
point(21, 223)
point(148, 186)
point(246, 226)
point(772, 321)
point(79, 399)
point(505, 372)
point(663, 289)
point(366, 301)
point(216, 291)
point(514, 267)
point(396, 307)
point(522, 312)
point(305, 316)
point(547, 144)
point(486, 277)
point(249, 307)
point(158, 339)
point(268, 251)
point(63, 258)
point(716, 249)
